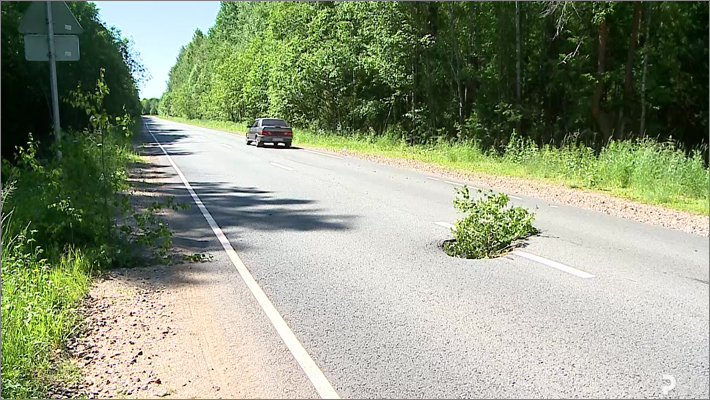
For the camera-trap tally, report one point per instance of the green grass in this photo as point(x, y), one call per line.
point(645, 170)
point(39, 300)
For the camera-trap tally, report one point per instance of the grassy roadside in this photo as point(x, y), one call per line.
point(54, 240)
point(62, 222)
point(38, 315)
point(644, 171)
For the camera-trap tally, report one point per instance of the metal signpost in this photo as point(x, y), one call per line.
point(48, 28)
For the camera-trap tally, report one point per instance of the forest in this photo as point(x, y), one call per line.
point(428, 72)
point(150, 106)
point(26, 99)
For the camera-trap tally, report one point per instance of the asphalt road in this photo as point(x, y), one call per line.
point(348, 253)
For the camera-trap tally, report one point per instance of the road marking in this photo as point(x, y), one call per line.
point(553, 206)
point(514, 197)
point(553, 264)
point(433, 179)
point(324, 154)
point(454, 183)
point(314, 373)
point(281, 166)
point(446, 225)
point(227, 146)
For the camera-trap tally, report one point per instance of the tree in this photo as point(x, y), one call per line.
point(25, 91)
point(426, 71)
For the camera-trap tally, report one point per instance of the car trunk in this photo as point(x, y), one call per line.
point(276, 131)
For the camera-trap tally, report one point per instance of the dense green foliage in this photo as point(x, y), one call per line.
point(489, 226)
point(150, 106)
point(440, 71)
point(26, 100)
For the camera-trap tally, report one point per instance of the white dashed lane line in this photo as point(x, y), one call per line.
point(281, 166)
point(544, 261)
point(445, 225)
point(433, 179)
point(324, 154)
point(553, 264)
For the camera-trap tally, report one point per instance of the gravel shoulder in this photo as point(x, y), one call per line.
point(148, 336)
point(152, 332)
point(560, 194)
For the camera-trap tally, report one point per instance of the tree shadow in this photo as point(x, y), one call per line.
point(234, 208)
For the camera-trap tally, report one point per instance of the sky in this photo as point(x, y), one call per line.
point(158, 29)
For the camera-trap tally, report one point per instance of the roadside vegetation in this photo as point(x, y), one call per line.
point(489, 227)
point(65, 220)
point(608, 96)
point(149, 106)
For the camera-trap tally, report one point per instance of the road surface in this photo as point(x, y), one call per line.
point(348, 254)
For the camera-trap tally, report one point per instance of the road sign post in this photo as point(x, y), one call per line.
point(53, 77)
point(47, 28)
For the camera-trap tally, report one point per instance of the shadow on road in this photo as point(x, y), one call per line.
point(236, 210)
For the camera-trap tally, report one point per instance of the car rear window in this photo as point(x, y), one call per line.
point(279, 123)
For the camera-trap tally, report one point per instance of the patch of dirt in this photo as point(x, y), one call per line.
point(560, 194)
point(148, 336)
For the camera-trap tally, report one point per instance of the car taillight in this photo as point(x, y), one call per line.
point(288, 133)
point(265, 133)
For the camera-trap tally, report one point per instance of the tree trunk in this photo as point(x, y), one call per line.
point(602, 118)
point(646, 50)
point(628, 75)
point(517, 62)
point(457, 73)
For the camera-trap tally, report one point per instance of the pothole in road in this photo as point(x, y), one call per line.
point(490, 227)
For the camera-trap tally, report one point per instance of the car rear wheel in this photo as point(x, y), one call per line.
point(259, 143)
point(287, 145)
point(248, 141)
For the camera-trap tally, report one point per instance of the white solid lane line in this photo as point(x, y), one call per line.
point(514, 197)
point(281, 166)
point(553, 264)
point(454, 183)
point(445, 225)
point(324, 154)
point(314, 373)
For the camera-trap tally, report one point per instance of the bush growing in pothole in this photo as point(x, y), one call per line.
point(489, 226)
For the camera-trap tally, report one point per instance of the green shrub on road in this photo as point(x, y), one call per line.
point(489, 226)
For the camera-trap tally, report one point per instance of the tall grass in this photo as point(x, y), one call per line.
point(642, 170)
point(38, 310)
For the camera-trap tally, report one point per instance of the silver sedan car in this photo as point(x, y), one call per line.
point(269, 130)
